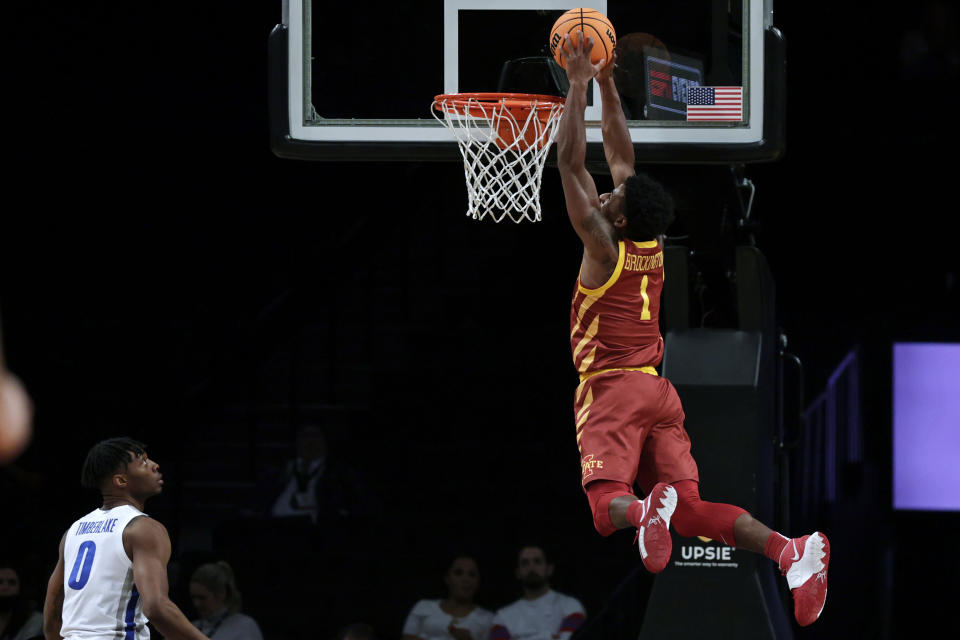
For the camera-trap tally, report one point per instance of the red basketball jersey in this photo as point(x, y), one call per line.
point(616, 326)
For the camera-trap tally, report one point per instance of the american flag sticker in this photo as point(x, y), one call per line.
point(715, 103)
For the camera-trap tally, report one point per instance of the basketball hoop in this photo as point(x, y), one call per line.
point(504, 139)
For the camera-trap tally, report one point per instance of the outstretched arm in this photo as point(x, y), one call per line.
point(617, 144)
point(149, 547)
point(583, 203)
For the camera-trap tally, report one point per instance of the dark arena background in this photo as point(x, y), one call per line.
point(165, 276)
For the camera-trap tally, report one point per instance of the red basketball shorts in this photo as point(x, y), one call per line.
point(630, 429)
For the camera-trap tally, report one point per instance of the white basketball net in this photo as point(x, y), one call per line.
point(503, 158)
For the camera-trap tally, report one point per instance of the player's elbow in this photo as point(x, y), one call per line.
point(566, 158)
point(568, 150)
point(157, 608)
point(51, 629)
point(52, 623)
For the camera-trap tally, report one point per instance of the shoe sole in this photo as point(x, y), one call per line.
point(826, 567)
point(653, 537)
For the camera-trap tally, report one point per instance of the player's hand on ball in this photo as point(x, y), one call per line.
point(577, 56)
point(607, 72)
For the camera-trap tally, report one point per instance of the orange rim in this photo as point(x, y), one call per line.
point(463, 103)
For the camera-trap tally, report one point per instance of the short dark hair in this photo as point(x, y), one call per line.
point(648, 207)
point(446, 562)
point(216, 577)
point(7, 563)
point(107, 458)
point(533, 544)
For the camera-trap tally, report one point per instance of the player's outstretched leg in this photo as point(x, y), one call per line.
point(652, 516)
point(804, 561)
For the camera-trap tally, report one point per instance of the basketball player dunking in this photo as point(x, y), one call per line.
point(111, 576)
point(630, 420)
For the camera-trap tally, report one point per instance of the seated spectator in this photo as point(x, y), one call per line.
point(18, 620)
point(541, 614)
point(456, 616)
point(318, 485)
point(217, 601)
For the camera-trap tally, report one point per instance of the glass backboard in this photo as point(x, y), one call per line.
point(357, 83)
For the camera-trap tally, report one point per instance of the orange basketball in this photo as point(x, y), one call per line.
point(590, 22)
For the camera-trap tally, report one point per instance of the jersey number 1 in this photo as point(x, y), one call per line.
point(645, 312)
point(82, 565)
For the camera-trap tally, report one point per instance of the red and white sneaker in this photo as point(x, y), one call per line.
point(653, 534)
point(804, 562)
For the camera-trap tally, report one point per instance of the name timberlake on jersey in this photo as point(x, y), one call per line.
point(99, 526)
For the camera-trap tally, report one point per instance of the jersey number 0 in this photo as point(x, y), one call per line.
point(82, 565)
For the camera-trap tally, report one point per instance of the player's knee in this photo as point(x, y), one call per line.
point(694, 517)
point(600, 493)
point(686, 518)
point(684, 521)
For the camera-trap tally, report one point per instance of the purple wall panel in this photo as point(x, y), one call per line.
point(926, 426)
